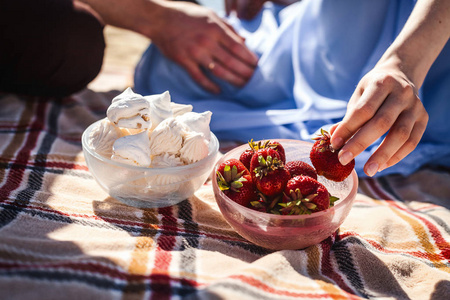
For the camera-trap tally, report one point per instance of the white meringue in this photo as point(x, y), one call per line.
point(195, 147)
point(197, 122)
point(102, 137)
point(167, 137)
point(160, 108)
point(166, 160)
point(130, 110)
point(133, 150)
point(180, 109)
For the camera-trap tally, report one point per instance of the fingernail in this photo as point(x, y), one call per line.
point(384, 166)
point(345, 157)
point(372, 169)
point(337, 143)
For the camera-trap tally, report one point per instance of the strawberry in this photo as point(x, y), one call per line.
point(325, 159)
point(298, 167)
point(265, 203)
point(268, 171)
point(279, 148)
point(235, 182)
point(304, 195)
point(246, 156)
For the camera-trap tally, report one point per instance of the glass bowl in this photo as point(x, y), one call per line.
point(279, 232)
point(148, 187)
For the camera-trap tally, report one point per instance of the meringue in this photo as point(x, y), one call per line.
point(167, 137)
point(152, 131)
point(130, 110)
point(160, 108)
point(102, 137)
point(133, 150)
point(195, 147)
point(197, 122)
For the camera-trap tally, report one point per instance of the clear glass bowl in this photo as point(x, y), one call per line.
point(278, 232)
point(148, 187)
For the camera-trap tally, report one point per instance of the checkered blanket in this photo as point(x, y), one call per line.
point(63, 237)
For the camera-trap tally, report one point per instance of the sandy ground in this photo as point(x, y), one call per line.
point(123, 51)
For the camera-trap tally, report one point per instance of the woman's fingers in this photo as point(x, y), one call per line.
point(362, 106)
point(402, 139)
point(387, 104)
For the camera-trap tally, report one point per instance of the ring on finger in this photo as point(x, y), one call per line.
point(211, 66)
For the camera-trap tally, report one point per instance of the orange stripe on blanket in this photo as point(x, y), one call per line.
point(264, 287)
point(427, 244)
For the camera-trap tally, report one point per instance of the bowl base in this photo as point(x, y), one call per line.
point(138, 203)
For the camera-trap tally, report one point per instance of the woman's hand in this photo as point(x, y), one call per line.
point(385, 100)
point(199, 40)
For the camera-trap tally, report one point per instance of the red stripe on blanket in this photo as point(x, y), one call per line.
point(15, 175)
point(48, 164)
point(439, 241)
point(264, 287)
point(94, 268)
point(376, 245)
point(163, 256)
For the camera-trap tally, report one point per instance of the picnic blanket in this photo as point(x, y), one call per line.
point(63, 237)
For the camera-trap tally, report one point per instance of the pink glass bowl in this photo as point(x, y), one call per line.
point(278, 232)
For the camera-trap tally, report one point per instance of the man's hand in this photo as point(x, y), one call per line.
point(200, 41)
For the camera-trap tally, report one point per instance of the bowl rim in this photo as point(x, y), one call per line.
point(85, 145)
point(340, 203)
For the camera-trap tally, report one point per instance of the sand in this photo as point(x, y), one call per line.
point(123, 51)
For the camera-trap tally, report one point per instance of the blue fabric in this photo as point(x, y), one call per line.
point(312, 55)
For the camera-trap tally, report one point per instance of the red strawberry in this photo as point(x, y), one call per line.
point(279, 148)
point(268, 171)
point(246, 156)
point(235, 182)
point(298, 167)
point(304, 195)
point(325, 159)
point(233, 162)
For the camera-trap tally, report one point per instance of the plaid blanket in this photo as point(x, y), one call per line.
point(63, 237)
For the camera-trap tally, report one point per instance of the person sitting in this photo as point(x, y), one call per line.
point(312, 55)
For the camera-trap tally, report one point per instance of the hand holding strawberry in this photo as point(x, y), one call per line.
point(325, 159)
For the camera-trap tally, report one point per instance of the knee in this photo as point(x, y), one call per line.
point(56, 50)
point(82, 56)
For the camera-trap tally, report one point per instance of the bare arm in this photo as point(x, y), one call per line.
point(191, 35)
point(386, 98)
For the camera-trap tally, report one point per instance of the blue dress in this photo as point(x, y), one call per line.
point(312, 56)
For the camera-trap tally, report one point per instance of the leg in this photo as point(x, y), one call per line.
point(51, 47)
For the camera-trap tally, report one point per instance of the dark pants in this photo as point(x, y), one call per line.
point(48, 47)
